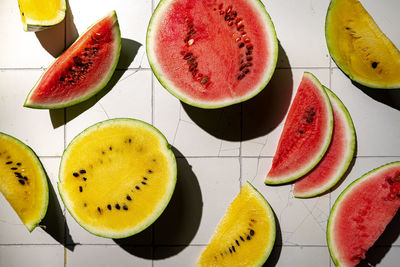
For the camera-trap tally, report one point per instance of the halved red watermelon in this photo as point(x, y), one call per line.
point(361, 214)
point(306, 134)
point(337, 158)
point(82, 70)
point(212, 53)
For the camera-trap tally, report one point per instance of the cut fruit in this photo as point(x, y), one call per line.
point(336, 159)
point(23, 181)
point(306, 134)
point(359, 47)
point(246, 234)
point(82, 70)
point(38, 15)
point(212, 54)
point(117, 177)
point(361, 214)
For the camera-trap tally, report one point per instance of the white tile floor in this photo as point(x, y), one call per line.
point(217, 150)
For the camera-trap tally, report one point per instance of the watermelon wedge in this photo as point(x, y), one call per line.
point(82, 70)
point(306, 133)
point(337, 158)
point(212, 54)
point(361, 214)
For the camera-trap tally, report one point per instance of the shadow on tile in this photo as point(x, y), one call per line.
point(50, 39)
point(389, 97)
point(54, 222)
point(378, 251)
point(129, 49)
point(276, 251)
point(260, 114)
point(179, 223)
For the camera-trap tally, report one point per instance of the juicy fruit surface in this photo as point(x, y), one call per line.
point(117, 177)
point(336, 159)
point(40, 14)
point(212, 52)
point(23, 181)
point(359, 47)
point(361, 213)
point(306, 134)
point(246, 234)
point(82, 70)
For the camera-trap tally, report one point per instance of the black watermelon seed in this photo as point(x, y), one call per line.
point(82, 171)
point(241, 45)
point(117, 206)
point(128, 197)
point(98, 209)
point(149, 171)
point(18, 163)
point(84, 178)
point(25, 178)
point(144, 183)
point(129, 140)
point(80, 189)
point(237, 243)
point(21, 182)
point(248, 237)
point(233, 248)
point(374, 64)
point(110, 148)
point(84, 204)
point(137, 187)
point(109, 206)
point(8, 162)
point(241, 238)
point(230, 250)
point(14, 168)
point(18, 174)
point(75, 174)
point(144, 178)
point(125, 207)
point(251, 232)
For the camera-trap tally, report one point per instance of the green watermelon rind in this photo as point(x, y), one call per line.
point(162, 206)
point(270, 211)
point(43, 176)
point(342, 66)
point(98, 87)
point(209, 104)
point(348, 156)
point(336, 206)
point(301, 172)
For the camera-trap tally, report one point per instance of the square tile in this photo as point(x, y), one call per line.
point(301, 221)
point(29, 125)
point(265, 114)
point(50, 230)
point(195, 131)
point(375, 116)
point(205, 188)
point(32, 256)
point(128, 95)
point(105, 256)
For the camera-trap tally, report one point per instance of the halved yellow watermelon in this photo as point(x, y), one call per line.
point(23, 181)
point(246, 234)
point(117, 177)
point(359, 47)
point(38, 15)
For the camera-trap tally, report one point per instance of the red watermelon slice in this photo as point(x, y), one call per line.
point(212, 53)
point(306, 134)
point(82, 70)
point(361, 214)
point(337, 158)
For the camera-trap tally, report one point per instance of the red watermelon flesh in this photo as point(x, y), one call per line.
point(212, 53)
point(361, 214)
point(306, 133)
point(82, 70)
point(336, 159)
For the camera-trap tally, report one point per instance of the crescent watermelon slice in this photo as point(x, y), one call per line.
point(306, 133)
point(337, 158)
point(82, 70)
point(361, 214)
